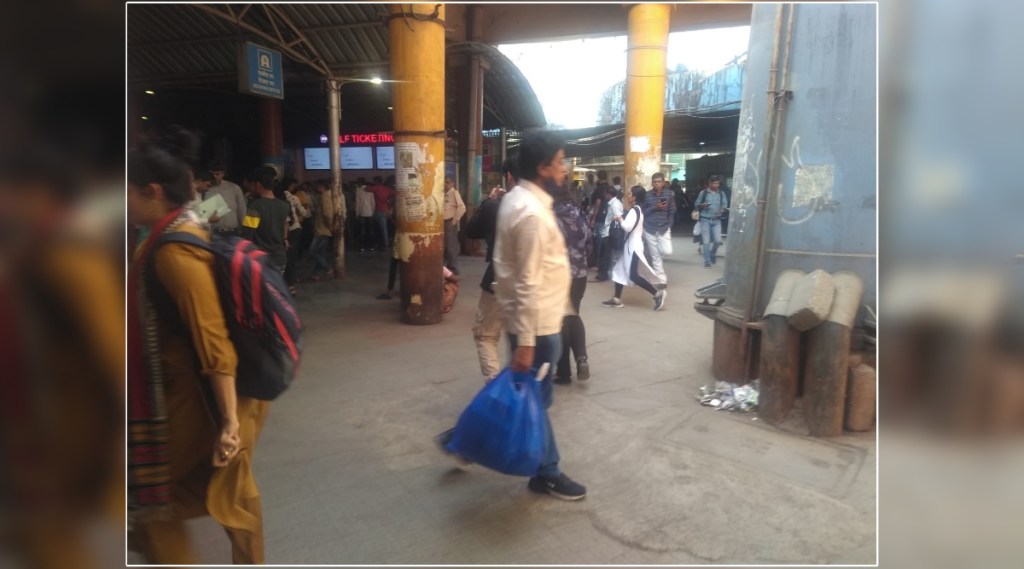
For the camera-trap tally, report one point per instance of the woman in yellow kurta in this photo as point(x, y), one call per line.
point(191, 437)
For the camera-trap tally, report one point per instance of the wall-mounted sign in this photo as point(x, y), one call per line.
point(260, 71)
point(385, 157)
point(317, 158)
point(369, 138)
point(357, 158)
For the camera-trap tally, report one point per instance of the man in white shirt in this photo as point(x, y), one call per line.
point(454, 209)
point(364, 215)
point(531, 270)
point(230, 223)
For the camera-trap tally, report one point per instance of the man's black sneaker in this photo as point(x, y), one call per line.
point(442, 441)
point(562, 380)
point(582, 369)
point(558, 486)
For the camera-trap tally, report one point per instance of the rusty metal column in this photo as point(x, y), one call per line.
point(504, 150)
point(474, 146)
point(417, 67)
point(333, 132)
point(271, 134)
point(645, 94)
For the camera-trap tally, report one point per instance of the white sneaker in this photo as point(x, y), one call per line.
point(613, 303)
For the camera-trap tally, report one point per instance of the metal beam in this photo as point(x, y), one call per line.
point(322, 69)
point(270, 17)
point(182, 42)
point(232, 76)
point(301, 36)
point(510, 23)
point(346, 26)
point(493, 111)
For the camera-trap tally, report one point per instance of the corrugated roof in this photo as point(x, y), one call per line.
point(681, 133)
point(177, 43)
point(509, 100)
point(186, 45)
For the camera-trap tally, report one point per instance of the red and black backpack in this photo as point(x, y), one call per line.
point(261, 318)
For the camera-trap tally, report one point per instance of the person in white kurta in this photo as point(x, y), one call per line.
point(632, 269)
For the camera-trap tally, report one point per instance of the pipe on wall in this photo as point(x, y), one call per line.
point(780, 353)
point(828, 353)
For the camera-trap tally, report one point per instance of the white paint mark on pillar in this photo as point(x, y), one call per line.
point(639, 143)
point(813, 182)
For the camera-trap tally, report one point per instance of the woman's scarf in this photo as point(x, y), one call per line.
point(149, 478)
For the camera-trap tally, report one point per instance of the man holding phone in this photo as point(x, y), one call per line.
point(659, 214)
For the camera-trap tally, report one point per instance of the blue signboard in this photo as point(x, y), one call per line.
point(260, 71)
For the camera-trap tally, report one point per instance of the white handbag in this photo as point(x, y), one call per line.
point(665, 242)
point(696, 229)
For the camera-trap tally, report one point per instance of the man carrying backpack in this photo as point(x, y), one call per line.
point(712, 204)
point(266, 221)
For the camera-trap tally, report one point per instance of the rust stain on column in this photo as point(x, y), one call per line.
point(418, 66)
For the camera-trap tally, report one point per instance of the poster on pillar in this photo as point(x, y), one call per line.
point(409, 185)
point(260, 71)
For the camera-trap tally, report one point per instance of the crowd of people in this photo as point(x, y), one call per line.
point(191, 435)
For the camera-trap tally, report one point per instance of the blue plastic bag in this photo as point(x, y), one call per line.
point(504, 428)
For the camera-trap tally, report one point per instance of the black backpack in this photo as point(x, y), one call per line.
point(261, 317)
point(617, 235)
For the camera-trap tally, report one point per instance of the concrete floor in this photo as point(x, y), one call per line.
point(350, 475)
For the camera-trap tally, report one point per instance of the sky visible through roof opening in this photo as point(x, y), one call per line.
point(569, 77)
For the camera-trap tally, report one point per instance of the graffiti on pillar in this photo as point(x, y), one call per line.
point(813, 186)
point(746, 176)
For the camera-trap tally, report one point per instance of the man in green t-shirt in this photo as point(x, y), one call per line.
point(266, 221)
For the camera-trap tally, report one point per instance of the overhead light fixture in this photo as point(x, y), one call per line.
point(391, 108)
point(376, 80)
point(148, 92)
point(145, 118)
point(702, 144)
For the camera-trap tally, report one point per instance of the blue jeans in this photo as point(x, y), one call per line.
point(381, 219)
point(711, 238)
point(548, 349)
point(319, 251)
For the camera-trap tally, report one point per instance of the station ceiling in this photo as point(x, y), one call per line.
point(190, 46)
point(195, 46)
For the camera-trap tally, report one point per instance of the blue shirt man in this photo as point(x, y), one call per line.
point(713, 204)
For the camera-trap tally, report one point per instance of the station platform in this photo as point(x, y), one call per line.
point(350, 474)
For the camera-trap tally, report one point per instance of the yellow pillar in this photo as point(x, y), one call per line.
point(417, 66)
point(645, 94)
